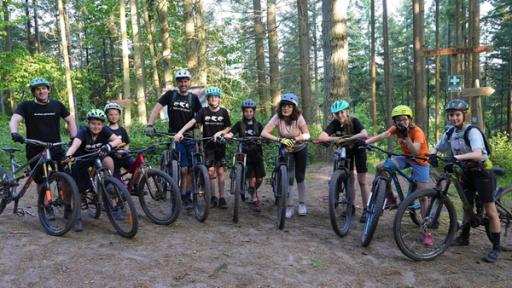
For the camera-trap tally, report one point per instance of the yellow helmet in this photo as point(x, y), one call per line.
point(401, 110)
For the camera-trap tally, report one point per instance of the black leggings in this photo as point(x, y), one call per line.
point(297, 165)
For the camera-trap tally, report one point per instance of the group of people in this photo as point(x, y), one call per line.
point(42, 122)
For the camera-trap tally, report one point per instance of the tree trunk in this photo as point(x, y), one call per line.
point(388, 81)
point(273, 53)
point(326, 40)
point(37, 38)
point(137, 56)
point(315, 58)
point(166, 42)
point(68, 34)
point(30, 42)
point(373, 69)
point(420, 98)
point(151, 44)
point(190, 35)
point(339, 46)
point(260, 58)
point(4, 95)
point(65, 56)
point(201, 38)
point(475, 63)
point(126, 64)
point(509, 106)
point(438, 77)
point(305, 78)
point(456, 66)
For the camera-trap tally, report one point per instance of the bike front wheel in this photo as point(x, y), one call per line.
point(4, 190)
point(58, 204)
point(236, 185)
point(159, 197)
point(340, 203)
point(119, 206)
point(504, 206)
point(374, 210)
point(281, 194)
point(439, 224)
point(201, 193)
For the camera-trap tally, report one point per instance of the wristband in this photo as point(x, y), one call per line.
point(306, 136)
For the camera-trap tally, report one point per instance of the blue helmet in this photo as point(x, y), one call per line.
point(248, 104)
point(213, 91)
point(456, 104)
point(339, 106)
point(291, 98)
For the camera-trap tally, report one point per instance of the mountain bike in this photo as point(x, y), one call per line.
point(279, 182)
point(111, 194)
point(170, 162)
point(238, 183)
point(385, 181)
point(158, 194)
point(58, 200)
point(503, 196)
point(440, 219)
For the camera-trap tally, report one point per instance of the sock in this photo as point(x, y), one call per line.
point(495, 237)
point(464, 233)
point(301, 188)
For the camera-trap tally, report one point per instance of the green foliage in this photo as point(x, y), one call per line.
point(501, 155)
point(6, 141)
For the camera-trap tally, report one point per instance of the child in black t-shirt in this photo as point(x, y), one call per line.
point(215, 123)
point(113, 112)
point(249, 127)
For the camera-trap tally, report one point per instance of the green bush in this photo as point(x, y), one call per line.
point(501, 156)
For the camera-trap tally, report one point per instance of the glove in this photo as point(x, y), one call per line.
point(287, 142)
point(341, 141)
point(16, 137)
point(432, 159)
point(106, 148)
point(150, 130)
point(402, 131)
point(66, 159)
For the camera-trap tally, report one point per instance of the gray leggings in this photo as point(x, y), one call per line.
point(297, 168)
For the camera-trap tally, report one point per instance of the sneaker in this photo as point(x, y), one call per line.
point(214, 202)
point(222, 203)
point(492, 256)
point(50, 215)
point(460, 241)
point(118, 214)
point(391, 202)
point(257, 205)
point(78, 226)
point(289, 211)
point(364, 216)
point(427, 239)
point(302, 211)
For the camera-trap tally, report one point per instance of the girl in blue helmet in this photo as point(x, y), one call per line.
point(293, 131)
point(343, 128)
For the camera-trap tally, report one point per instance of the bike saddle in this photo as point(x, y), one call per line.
point(498, 171)
point(10, 149)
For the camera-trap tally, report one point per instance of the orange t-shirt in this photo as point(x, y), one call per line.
point(417, 136)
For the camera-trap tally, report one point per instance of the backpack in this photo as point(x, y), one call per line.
point(466, 137)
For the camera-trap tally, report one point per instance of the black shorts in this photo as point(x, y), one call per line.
point(255, 169)
point(57, 154)
point(358, 157)
point(480, 181)
point(124, 162)
point(215, 155)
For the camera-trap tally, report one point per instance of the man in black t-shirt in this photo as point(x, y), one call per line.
point(215, 123)
point(182, 106)
point(42, 121)
point(249, 127)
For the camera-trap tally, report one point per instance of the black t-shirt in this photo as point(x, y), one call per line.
point(179, 111)
point(121, 132)
point(253, 128)
point(213, 122)
point(42, 122)
point(334, 128)
point(88, 144)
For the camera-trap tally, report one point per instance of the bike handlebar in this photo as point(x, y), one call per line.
point(44, 144)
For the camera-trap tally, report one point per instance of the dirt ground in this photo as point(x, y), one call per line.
point(218, 253)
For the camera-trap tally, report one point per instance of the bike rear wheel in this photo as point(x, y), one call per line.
point(4, 190)
point(159, 197)
point(504, 206)
point(340, 203)
point(58, 204)
point(236, 184)
point(440, 223)
point(119, 207)
point(281, 194)
point(374, 210)
point(201, 195)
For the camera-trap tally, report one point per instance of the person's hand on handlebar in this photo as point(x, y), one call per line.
point(288, 143)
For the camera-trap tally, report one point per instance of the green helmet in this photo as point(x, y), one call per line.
point(39, 81)
point(456, 104)
point(96, 114)
point(339, 105)
point(401, 110)
point(213, 91)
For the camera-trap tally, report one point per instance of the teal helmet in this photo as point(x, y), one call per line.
point(339, 106)
point(39, 81)
point(456, 104)
point(96, 114)
point(213, 91)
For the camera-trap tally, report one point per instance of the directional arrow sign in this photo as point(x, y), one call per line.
point(482, 91)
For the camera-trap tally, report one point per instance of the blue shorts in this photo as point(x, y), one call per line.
point(420, 173)
point(185, 150)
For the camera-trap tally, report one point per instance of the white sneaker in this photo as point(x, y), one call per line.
point(289, 212)
point(302, 209)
